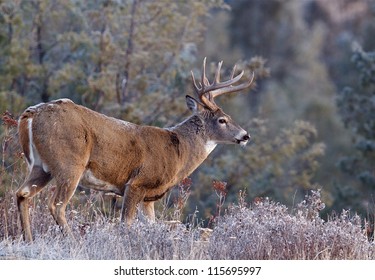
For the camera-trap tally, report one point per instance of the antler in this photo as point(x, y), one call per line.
point(206, 92)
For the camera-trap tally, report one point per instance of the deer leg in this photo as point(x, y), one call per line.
point(132, 197)
point(34, 183)
point(113, 205)
point(148, 210)
point(65, 188)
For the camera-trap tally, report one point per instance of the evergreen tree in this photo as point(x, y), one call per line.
point(356, 106)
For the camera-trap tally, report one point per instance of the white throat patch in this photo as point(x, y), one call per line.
point(210, 146)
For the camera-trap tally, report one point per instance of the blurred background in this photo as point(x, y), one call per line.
point(311, 114)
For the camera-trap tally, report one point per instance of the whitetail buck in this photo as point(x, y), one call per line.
point(75, 145)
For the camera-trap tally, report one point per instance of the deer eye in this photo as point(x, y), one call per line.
point(222, 121)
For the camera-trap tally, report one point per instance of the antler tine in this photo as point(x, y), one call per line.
point(231, 88)
point(217, 74)
point(216, 84)
point(200, 90)
point(194, 83)
point(204, 81)
point(203, 88)
point(233, 71)
point(206, 92)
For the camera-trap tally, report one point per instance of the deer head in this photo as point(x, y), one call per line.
point(220, 126)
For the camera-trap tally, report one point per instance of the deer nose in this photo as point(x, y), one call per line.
point(246, 137)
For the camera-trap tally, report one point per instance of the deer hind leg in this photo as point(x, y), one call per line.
point(65, 188)
point(34, 183)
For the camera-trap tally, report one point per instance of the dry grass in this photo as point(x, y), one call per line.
point(265, 230)
point(270, 231)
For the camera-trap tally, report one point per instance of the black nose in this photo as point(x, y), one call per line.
point(246, 137)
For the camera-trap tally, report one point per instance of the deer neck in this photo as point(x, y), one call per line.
point(194, 135)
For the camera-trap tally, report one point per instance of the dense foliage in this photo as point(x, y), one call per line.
point(357, 109)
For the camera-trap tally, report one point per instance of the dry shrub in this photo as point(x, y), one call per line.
point(268, 230)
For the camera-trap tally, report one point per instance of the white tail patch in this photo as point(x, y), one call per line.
point(34, 156)
point(31, 155)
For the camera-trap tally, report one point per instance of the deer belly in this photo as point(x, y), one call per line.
point(88, 180)
point(155, 194)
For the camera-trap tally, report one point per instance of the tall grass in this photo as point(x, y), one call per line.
point(263, 230)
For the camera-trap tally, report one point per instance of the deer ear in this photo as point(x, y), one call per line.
point(193, 104)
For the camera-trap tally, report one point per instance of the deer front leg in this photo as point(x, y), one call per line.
point(149, 210)
point(133, 195)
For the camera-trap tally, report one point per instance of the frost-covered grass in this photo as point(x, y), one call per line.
point(263, 230)
point(270, 231)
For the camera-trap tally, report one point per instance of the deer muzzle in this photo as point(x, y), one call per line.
point(243, 138)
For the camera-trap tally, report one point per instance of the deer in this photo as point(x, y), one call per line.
point(75, 145)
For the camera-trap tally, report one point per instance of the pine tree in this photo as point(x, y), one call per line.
point(357, 109)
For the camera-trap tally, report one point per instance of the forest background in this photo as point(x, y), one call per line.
point(311, 114)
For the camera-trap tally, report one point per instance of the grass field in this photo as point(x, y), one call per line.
point(263, 230)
